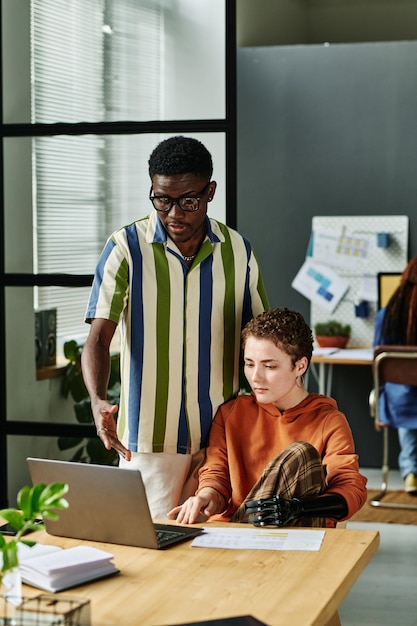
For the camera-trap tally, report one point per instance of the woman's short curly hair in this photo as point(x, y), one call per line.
point(286, 329)
point(180, 155)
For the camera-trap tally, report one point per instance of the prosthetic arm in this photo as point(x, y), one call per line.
point(276, 511)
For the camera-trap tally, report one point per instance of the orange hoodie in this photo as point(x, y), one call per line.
point(245, 436)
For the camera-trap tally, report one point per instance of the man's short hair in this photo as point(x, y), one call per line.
point(180, 155)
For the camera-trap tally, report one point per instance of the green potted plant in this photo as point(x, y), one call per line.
point(39, 501)
point(87, 450)
point(332, 334)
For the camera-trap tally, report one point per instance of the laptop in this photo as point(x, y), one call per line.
point(106, 503)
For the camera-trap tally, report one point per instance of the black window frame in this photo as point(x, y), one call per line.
point(228, 126)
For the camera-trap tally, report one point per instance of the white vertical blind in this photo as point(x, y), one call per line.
point(95, 60)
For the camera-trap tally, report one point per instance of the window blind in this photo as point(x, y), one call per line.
point(91, 61)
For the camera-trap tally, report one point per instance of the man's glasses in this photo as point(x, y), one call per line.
point(186, 203)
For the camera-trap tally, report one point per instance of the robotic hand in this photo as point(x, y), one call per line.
point(277, 511)
point(274, 511)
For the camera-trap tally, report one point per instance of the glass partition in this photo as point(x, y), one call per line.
point(88, 90)
point(117, 60)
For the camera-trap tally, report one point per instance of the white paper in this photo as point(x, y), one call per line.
point(320, 284)
point(52, 568)
point(63, 561)
point(340, 248)
point(324, 351)
point(12, 580)
point(259, 539)
point(354, 354)
point(369, 288)
point(30, 552)
point(323, 244)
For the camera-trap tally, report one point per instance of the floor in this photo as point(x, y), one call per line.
point(386, 592)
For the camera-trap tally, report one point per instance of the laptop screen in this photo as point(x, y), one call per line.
point(387, 284)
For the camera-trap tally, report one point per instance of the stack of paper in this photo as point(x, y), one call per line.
point(54, 569)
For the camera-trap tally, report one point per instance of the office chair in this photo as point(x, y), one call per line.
point(394, 364)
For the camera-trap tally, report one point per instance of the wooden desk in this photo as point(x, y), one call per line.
point(349, 356)
point(185, 584)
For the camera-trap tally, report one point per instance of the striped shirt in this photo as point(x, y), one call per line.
point(180, 329)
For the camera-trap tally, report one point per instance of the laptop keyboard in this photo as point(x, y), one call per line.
point(167, 535)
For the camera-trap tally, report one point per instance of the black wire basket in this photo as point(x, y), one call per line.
point(44, 610)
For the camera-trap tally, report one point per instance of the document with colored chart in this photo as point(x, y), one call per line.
point(320, 284)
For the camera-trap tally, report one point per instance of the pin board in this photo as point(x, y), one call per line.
point(356, 249)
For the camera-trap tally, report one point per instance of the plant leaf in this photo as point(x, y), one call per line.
point(10, 558)
point(80, 455)
point(66, 443)
point(71, 350)
point(36, 495)
point(36, 526)
point(47, 514)
point(51, 497)
point(15, 518)
point(24, 501)
point(98, 452)
point(36, 501)
point(83, 411)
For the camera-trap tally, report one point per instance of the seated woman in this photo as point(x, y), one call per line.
point(282, 455)
point(396, 324)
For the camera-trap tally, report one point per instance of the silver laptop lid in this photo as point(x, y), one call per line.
point(106, 503)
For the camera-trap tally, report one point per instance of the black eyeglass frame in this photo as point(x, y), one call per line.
point(172, 201)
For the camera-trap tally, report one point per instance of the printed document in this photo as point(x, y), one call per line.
point(260, 539)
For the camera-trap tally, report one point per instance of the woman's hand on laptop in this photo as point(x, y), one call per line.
point(208, 502)
point(104, 413)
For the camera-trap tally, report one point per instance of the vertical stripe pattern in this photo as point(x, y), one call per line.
point(180, 328)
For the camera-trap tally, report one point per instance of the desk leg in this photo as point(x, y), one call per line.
point(323, 378)
point(334, 621)
point(319, 376)
point(329, 379)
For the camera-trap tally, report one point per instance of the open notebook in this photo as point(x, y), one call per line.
point(106, 503)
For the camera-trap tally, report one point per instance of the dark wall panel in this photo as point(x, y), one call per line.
point(325, 130)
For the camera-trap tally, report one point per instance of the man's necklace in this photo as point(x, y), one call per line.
point(189, 258)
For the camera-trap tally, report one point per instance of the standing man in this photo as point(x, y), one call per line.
point(181, 286)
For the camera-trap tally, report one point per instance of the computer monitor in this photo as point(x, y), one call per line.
point(387, 284)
